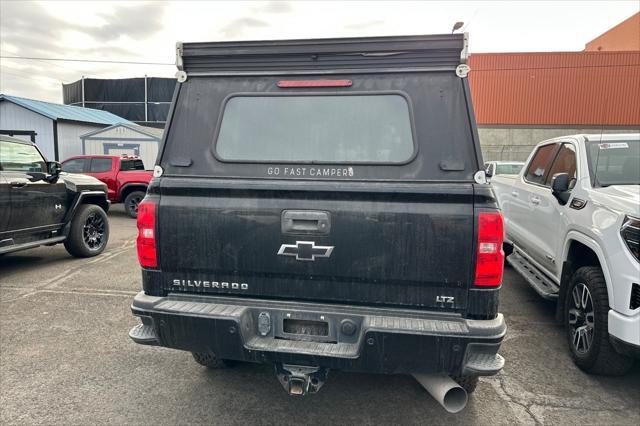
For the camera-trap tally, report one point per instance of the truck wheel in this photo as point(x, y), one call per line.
point(89, 232)
point(211, 360)
point(586, 317)
point(469, 383)
point(131, 203)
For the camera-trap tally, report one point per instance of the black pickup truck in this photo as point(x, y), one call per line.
point(317, 204)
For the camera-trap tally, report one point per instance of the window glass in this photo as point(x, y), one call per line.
point(508, 169)
point(74, 166)
point(614, 163)
point(539, 164)
point(331, 129)
point(99, 165)
point(565, 162)
point(131, 165)
point(21, 158)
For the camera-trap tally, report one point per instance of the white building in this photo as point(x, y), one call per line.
point(122, 139)
point(57, 128)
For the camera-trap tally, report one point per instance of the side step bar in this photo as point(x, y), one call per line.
point(32, 244)
point(538, 280)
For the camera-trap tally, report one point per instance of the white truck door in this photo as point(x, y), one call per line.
point(532, 209)
point(552, 213)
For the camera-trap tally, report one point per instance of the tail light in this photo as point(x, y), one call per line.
point(147, 255)
point(490, 257)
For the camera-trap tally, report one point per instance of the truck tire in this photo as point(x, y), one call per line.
point(211, 360)
point(586, 313)
point(89, 232)
point(131, 202)
point(468, 383)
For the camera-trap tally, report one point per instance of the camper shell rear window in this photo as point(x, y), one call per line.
point(329, 128)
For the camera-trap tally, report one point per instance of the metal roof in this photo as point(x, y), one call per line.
point(556, 88)
point(157, 132)
point(152, 132)
point(66, 112)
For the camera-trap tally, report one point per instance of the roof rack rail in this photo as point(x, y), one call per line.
point(423, 52)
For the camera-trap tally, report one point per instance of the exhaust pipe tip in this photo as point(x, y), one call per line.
point(455, 400)
point(449, 394)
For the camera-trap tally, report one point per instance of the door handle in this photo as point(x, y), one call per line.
point(18, 183)
point(535, 200)
point(514, 193)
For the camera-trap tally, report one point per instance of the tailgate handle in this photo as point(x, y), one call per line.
point(309, 222)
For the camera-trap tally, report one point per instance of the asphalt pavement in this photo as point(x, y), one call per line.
point(66, 358)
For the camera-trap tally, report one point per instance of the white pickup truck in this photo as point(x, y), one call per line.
point(572, 230)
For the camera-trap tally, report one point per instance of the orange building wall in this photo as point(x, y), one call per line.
point(624, 36)
point(556, 88)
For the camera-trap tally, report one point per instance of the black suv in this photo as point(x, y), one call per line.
point(39, 205)
point(319, 204)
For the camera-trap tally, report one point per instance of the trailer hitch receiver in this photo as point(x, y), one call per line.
point(300, 379)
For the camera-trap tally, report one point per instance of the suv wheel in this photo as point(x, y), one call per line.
point(211, 360)
point(586, 317)
point(89, 232)
point(131, 203)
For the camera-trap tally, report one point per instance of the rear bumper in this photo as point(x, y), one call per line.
point(377, 340)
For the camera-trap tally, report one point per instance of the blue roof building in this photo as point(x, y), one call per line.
point(55, 128)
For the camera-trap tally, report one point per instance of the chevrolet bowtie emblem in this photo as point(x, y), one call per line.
point(305, 250)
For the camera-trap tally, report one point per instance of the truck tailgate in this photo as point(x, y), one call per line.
point(386, 244)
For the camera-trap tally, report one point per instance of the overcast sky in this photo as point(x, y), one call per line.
point(147, 31)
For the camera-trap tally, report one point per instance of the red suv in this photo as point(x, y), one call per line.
point(125, 176)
